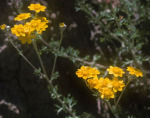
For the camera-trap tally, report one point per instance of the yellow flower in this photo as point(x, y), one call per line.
point(61, 25)
point(18, 30)
point(92, 82)
point(28, 28)
point(107, 93)
point(26, 32)
point(26, 39)
point(43, 19)
point(116, 71)
point(3, 26)
point(103, 83)
point(87, 72)
point(42, 27)
point(37, 25)
point(134, 71)
point(117, 84)
point(37, 7)
point(23, 16)
point(23, 32)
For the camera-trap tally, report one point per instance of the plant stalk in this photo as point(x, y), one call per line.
point(49, 82)
point(122, 93)
point(56, 55)
point(112, 110)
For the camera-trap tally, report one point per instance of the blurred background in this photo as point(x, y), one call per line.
point(24, 95)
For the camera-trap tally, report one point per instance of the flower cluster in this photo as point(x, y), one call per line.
point(27, 31)
point(106, 87)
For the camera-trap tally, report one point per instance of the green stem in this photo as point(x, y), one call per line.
point(49, 82)
point(116, 115)
point(122, 93)
point(109, 105)
point(41, 62)
point(36, 14)
point(20, 53)
point(56, 55)
point(115, 99)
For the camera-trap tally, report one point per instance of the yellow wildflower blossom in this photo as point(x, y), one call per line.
point(28, 28)
point(37, 25)
point(26, 39)
point(107, 93)
point(92, 82)
point(23, 32)
point(87, 72)
point(43, 19)
point(134, 71)
point(37, 7)
point(42, 27)
point(3, 26)
point(22, 16)
point(116, 71)
point(117, 84)
point(18, 30)
point(61, 25)
point(103, 83)
point(26, 32)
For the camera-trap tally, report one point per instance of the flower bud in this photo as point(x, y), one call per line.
point(62, 26)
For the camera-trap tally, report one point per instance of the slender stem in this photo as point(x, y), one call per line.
point(41, 62)
point(20, 53)
point(36, 15)
point(109, 105)
point(49, 82)
point(115, 99)
point(56, 55)
point(116, 115)
point(122, 93)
